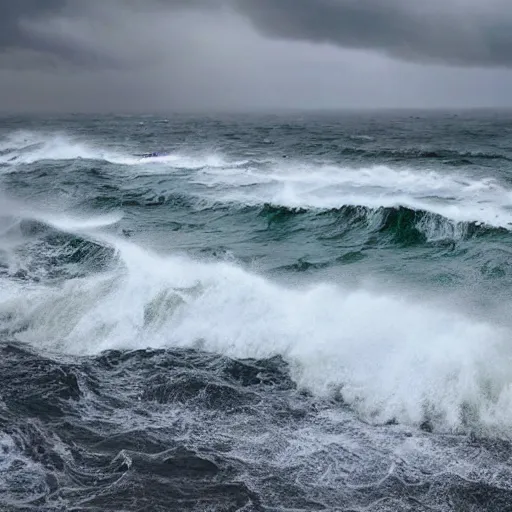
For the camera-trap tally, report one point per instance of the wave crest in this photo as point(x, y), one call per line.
point(387, 356)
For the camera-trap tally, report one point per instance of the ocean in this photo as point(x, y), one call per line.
point(281, 312)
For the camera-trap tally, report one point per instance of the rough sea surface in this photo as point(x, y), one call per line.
point(293, 312)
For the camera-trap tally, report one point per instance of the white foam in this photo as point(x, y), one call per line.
point(76, 224)
point(183, 161)
point(391, 357)
point(15, 211)
point(26, 147)
point(456, 197)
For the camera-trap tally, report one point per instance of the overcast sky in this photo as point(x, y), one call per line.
point(168, 55)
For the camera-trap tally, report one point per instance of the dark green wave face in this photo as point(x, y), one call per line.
point(299, 277)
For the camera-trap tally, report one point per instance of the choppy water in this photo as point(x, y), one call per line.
point(295, 312)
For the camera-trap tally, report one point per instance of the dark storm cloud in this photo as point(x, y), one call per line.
point(152, 55)
point(469, 33)
point(457, 32)
point(17, 32)
point(21, 22)
point(13, 13)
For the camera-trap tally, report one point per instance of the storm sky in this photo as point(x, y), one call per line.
point(173, 55)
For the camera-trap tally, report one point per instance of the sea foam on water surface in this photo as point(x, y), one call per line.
point(456, 197)
point(388, 357)
point(26, 147)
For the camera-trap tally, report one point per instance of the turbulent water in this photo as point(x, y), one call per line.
point(284, 312)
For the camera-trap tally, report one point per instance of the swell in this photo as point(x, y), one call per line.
point(399, 225)
point(322, 331)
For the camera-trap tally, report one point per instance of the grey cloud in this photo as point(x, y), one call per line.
point(454, 32)
point(12, 14)
point(150, 55)
point(469, 33)
point(19, 21)
point(27, 38)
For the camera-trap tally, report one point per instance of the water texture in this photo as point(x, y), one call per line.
point(280, 313)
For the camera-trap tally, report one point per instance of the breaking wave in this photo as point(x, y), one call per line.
point(280, 313)
point(386, 356)
point(27, 147)
point(457, 198)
